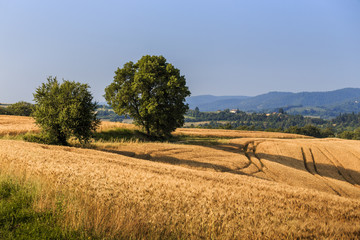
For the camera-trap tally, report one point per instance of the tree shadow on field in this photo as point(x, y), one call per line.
point(196, 140)
point(333, 171)
point(120, 134)
point(176, 161)
point(307, 163)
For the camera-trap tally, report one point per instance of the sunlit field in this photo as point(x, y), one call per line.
point(14, 125)
point(204, 184)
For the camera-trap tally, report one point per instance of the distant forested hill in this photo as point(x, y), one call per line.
point(204, 100)
point(325, 104)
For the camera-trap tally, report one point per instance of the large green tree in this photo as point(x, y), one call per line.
point(152, 92)
point(64, 110)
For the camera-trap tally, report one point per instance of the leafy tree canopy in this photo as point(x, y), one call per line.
point(65, 109)
point(152, 92)
point(21, 108)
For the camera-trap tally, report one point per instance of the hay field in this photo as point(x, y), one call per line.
point(327, 165)
point(135, 196)
point(270, 186)
point(219, 133)
point(15, 125)
point(106, 125)
point(235, 133)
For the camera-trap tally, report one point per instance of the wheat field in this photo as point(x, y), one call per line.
point(246, 187)
point(219, 133)
point(15, 125)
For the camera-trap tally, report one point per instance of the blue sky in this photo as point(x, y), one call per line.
point(228, 47)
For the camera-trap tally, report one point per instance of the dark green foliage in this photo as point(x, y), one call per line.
point(275, 122)
point(355, 135)
point(21, 108)
point(328, 132)
point(44, 138)
point(346, 135)
point(65, 110)
point(346, 122)
point(152, 92)
point(260, 121)
point(4, 111)
point(310, 130)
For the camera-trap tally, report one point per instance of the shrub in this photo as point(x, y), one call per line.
point(21, 108)
point(65, 110)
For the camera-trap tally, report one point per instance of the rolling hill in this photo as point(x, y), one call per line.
point(346, 99)
point(210, 184)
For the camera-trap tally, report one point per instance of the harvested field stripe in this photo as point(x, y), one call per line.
point(324, 179)
point(304, 159)
point(339, 167)
point(332, 188)
point(313, 159)
point(318, 176)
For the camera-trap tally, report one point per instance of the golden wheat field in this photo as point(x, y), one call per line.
point(220, 133)
point(14, 125)
point(245, 186)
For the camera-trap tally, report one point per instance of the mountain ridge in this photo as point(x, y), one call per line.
point(277, 99)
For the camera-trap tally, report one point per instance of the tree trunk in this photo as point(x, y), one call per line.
point(147, 129)
point(62, 139)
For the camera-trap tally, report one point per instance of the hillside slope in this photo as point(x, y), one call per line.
point(197, 203)
point(274, 100)
point(239, 185)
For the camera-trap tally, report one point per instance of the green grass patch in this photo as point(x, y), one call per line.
point(41, 138)
point(20, 220)
point(12, 137)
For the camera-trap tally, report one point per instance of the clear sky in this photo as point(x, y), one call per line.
point(227, 47)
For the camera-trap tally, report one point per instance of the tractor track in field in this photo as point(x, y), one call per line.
point(305, 161)
point(313, 160)
point(317, 174)
point(340, 168)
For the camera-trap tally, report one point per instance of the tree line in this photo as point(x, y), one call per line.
point(20, 109)
point(343, 126)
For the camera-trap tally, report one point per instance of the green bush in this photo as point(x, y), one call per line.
point(21, 108)
point(65, 110)
point(346, 135)
point(4, 111)
point(42, 138)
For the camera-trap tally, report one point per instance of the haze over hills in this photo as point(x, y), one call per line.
point(317, 103)
point(206, 99)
